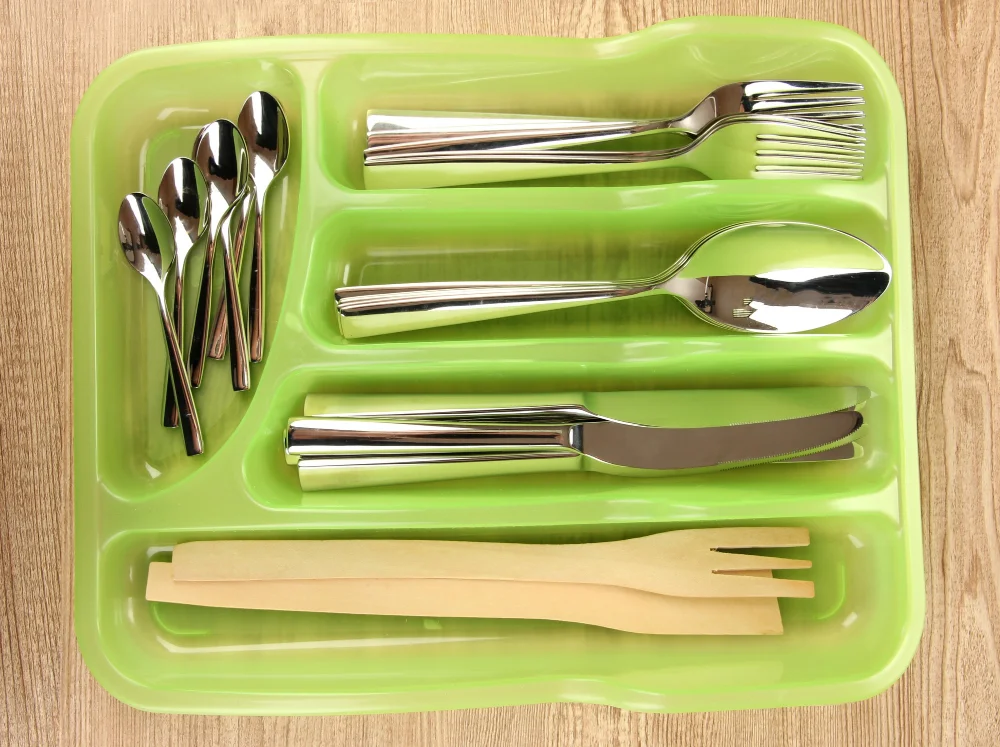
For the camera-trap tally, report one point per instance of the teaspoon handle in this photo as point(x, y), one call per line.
point(220, 330)
point(384, 309)
point(170, 417)
point(239, 353)
point(256, 308)
point(199, 333)
point(181, 384)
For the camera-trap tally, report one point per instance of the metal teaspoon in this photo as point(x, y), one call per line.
point(182, 196)
point(263, 124)
point(220, 151)
point(142, 231)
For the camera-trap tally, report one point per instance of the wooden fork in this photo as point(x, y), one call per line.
point(683, 563)
point(607, 606)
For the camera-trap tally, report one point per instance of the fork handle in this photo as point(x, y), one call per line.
point(401, 132)
point(384, 309)
point(463, 168)
point(607, 606)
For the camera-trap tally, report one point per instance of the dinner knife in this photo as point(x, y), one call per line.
point(332, 452)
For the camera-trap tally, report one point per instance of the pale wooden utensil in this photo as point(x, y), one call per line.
point(607, 606)
point(682, 563)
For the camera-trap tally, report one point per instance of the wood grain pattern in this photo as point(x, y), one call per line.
point(946, 58)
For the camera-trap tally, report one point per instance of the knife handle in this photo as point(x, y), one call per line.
point(353, 452)
point(356, 437)
point(329, 473)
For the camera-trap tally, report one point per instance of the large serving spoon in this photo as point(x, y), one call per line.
point(221, 153)
point(143, 231)
point(182, 196)
point(263, 126)
point(751, 277)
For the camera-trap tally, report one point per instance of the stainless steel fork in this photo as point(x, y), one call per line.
point(401, 132)
point(750, 146)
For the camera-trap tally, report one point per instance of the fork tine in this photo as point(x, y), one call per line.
point(813, 153)
point(737, 584)
point(833, 115)
point(811, 144)
point(810, 127)
point(844, 128)
point(731, 561)
point(785, 105)
point(852, 137)
point(767, 88)
point(797, 158)
point(852, 126)
point(807, 172)
point(792, 87)
point(810, 158)
point(846, 139)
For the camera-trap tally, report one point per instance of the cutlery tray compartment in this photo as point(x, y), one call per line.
point(137, 494)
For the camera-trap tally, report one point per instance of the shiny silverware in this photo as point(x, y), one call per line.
point(353, 451)
point(262, 124)
point(591, 604)
point(221, 153)
point(219, 339)
point(230, 233)
point(143, 232)
point(182, 196)
point(752, 146)
point(396, 132)
point(752, 277)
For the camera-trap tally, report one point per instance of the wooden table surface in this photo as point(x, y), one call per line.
point(946, 58)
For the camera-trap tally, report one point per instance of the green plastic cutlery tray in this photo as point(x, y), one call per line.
point(137, 494)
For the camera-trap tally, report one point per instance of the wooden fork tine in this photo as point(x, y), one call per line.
point(739, 584)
